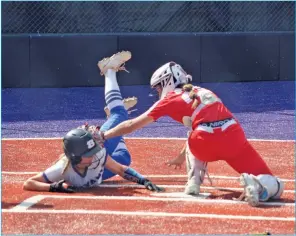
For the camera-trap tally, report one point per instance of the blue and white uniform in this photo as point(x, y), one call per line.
point(115, 147)
point(91, 177)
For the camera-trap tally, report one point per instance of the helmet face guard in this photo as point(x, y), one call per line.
point(97, 158)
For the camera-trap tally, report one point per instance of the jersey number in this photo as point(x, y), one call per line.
point(90, 144)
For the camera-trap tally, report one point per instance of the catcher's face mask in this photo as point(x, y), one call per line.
point(156, 91)
point(169, 76)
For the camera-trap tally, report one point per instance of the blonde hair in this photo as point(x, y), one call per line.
point(66, 161)
point(192, 94)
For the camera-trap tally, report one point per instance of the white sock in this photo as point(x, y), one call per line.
point(113, 96)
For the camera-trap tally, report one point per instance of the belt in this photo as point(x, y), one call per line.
point(210, 126)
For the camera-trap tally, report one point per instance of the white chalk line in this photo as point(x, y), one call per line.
point(164, 197)
point(172, 186)
point(147, 138)
point(176, 187)
point(155, 214)
point(148, 176)
point(106, 185)
point(26, 204)
point(198, 199)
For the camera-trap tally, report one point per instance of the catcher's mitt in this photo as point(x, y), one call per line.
point(93, 130)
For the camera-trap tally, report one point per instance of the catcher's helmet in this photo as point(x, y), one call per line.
point(79, 143)
point(169, 76)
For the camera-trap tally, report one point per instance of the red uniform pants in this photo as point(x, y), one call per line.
point(229, 145)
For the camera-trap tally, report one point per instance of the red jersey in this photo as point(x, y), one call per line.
point(178, 106)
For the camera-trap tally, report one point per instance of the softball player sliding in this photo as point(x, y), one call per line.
point(84, 162)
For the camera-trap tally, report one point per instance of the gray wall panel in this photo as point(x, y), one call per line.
point(150, 52)
point(15, 61)
point(68, 61)
point(287, 57)
point(239, 58)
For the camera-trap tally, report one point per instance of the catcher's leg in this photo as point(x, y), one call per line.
point(247, 160)
point(261, 188)
point(196, 170)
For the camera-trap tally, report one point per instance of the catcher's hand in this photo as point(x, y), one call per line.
point(61, 187)
point(152, 187)
point(177, 162)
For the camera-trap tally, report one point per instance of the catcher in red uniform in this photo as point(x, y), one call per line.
point(215, 133)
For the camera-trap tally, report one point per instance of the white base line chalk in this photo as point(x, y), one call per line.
point(155, 214)
point(148, 176)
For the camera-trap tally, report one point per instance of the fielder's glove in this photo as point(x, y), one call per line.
point(98, 135)
point(151, 186)
point(61, 188)
point(95, 132)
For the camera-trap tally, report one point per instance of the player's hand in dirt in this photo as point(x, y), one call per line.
point(61, 187)
point(152, 187)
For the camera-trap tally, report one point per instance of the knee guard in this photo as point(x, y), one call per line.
point(195, 168)
point(273, 187)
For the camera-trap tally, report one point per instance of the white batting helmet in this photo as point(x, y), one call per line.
point(169, 76)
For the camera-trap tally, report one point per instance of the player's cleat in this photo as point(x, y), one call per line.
point(127, 102)
point(130, 102)
point(251, 189)
point(191, 187)
point(115, 62)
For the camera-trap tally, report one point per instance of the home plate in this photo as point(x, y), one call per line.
point(181, 195)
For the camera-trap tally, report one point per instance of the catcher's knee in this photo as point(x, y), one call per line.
point(273, 187)
point(195, 167)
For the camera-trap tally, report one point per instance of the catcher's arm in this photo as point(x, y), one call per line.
point(124, 127)
point(127, 126)
point(179, 160)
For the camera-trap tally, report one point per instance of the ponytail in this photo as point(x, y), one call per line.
point(192, 94)
point(66, 161)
